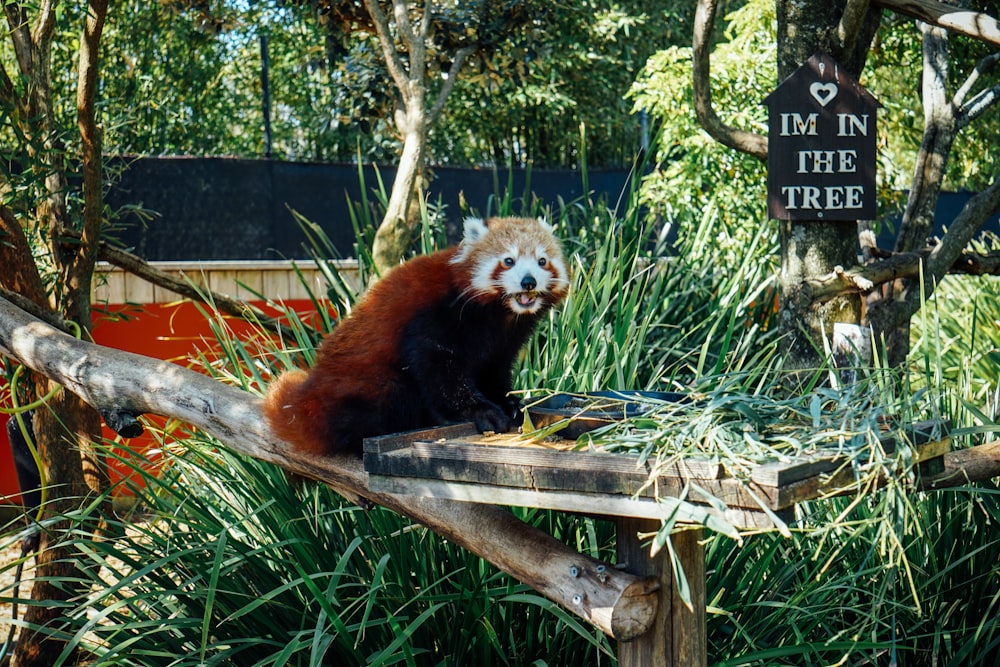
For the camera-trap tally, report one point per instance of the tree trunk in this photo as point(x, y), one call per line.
point(891, 307)
point(810, 249)
point(813, 248)
point(66, 427)
point(402, 216)
point(56, 579)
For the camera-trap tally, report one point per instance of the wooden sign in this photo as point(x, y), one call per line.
point(821, 145)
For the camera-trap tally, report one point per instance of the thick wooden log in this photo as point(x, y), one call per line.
point(622, 605)
point(958, 19)
point(973, 464)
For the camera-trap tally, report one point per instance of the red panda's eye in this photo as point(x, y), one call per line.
point(542, 261)
point(508, 261)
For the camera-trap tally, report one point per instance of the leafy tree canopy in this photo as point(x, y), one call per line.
point(183, 77)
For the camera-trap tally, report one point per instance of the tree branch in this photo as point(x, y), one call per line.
point(965, 225)
point(456, 66)
point(850, 24)
point(20, 35)
point(896, 266)
point(78, 271)
point(401, 14)
point(935, 147)
point(6, 87)
point(415, 47)
point(969, 111)
point(741, 140)
point(963, 466)
point(983, 66)
point(972, 24)
point(620, 604)
point(977, 106)
point(392, 60)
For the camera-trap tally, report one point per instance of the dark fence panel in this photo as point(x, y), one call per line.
point(233, 209)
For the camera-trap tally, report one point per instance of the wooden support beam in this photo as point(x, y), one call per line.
point(620, 604)
point(679, 635)
point(957, 19)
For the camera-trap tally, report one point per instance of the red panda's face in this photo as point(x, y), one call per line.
point(515, 260)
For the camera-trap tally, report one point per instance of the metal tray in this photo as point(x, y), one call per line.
point(585, 412)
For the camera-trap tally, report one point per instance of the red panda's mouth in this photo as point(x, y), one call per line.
point(525, 299)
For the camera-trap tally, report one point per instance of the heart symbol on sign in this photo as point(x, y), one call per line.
point(823, 92)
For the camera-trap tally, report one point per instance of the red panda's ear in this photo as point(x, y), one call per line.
point(474, 229)
point(544, 223)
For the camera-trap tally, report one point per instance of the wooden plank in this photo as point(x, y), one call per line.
point(933, 449)
point(787, 472)
point(278, 275)
point(957, 19)
point(781, 473)
point(678, 636)
point(838, 482)
point(455, 455)
point(591, 504)
point(109, 287)
point(278, 284)
point(138, 290)
point(394, 441)
point(249, 284)
point(458, 455)
point(221, 281)
point(506, 473)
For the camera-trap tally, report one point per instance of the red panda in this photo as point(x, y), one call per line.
point(433, 341)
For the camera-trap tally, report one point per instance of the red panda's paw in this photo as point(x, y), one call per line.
point(512, 406)
point(491, 417)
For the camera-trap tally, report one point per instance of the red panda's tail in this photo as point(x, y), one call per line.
point(284, 410)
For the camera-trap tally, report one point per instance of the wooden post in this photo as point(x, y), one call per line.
point(677, 637)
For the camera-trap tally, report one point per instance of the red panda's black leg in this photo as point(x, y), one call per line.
point(459, 399)
point(449, 389)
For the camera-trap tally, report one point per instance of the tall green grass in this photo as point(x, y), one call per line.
point(231, 564)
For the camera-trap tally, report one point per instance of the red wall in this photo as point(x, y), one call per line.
point(172, 332)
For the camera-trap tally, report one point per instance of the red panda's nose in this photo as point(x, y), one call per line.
point(528, 283)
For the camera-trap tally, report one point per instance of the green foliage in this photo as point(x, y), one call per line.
point(236, 565)
point(956, 338)
point(694, 171)
point(840, 600)
point(893, 75)
point(191, 76)
point(570, 71)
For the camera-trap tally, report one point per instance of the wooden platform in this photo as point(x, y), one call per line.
point(458, 463)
